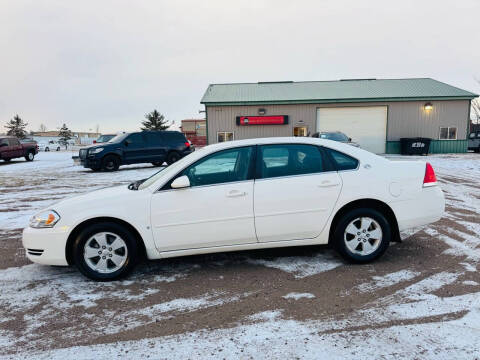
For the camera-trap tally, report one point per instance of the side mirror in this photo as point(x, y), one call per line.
point(128, 142)
point(181, 182)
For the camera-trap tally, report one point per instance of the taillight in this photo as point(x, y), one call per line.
point(187, 144)
point(429, 179)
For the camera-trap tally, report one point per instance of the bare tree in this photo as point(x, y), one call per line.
point(42, 128)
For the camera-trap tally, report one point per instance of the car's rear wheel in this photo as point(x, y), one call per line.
point(7, 160)
point(47, 149)
point(58, 148)
point(110, 163)
point(173, 157)
point(362, 235)
point(30, 156)
point(157, 163)
point(105, 251)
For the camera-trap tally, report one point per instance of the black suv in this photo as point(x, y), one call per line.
point(154, 147)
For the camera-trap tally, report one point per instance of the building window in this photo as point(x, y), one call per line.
point(223, 136)
point(300, 131)
point(448, 133)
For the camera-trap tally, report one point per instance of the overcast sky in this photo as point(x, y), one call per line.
point(85, 63)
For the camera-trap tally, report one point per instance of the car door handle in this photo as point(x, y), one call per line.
point(236, 193)
point(327, 183)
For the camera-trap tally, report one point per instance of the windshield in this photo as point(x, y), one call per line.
point(337, 136)
point(104, 138)
point(118, 138)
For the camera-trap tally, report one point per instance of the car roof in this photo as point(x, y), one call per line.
point(335, 145)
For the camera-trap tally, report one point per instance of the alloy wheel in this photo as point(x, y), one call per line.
point(363, 236)
point(105, 252)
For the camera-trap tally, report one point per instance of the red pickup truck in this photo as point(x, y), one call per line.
point(10, 148)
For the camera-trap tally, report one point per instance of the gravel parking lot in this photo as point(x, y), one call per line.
point(420, 300)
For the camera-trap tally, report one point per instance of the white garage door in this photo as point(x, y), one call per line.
point(366, 126)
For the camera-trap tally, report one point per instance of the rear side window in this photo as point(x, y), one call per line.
point(342, 161)
point(14, 142)
point(291, 159)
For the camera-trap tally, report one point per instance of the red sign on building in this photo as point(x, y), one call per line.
point(262, 120)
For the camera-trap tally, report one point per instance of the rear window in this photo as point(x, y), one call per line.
point(342, 161)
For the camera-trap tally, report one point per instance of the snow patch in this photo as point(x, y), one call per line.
point(296, 296)
point(301, 266)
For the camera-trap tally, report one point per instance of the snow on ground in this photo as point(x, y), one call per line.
point(402, 310)
point(26, 187)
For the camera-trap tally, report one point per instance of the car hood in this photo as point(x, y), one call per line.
point(89, 199)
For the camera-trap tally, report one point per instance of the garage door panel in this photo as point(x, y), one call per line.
point(365, 125)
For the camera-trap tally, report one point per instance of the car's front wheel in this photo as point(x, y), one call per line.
point(110, 163)
point(105, 251)
point(30, 156)
point(362, 235)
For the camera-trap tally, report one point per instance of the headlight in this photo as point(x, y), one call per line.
point(45, 219)
point(95, 151)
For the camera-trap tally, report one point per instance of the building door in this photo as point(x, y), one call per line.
point(366, 125)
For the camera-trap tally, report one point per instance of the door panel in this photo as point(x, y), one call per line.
point(217, 208)
point(136, 150)
point(203, 216)
point(296, 207)
point(295, 192)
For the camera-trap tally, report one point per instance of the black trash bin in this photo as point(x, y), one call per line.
point(415, 146)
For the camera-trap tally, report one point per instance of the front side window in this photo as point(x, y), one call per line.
point(288, 160)
point(135, 140)
point(223, 136)
point(342, 161)
point(221, 167)
point(448, 133)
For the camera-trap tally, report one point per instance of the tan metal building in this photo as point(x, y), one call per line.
point(374, 113)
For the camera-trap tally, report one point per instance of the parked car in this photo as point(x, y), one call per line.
point(11, 148)
point(239, 195)
point(154, 147)
point(474, 141)
point(50, 146)
point(27, 141)
point(103, 138)
point(336, 136)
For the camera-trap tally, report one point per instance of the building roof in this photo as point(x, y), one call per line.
point(355, 90)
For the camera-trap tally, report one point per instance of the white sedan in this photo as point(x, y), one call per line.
point(239, 195)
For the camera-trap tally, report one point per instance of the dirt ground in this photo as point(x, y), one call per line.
point(245, 300)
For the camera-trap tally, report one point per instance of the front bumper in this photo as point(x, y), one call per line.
point(46, 246)
point(91, 162)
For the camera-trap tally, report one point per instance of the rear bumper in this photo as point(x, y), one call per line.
point(45, 246)
point(426, 208)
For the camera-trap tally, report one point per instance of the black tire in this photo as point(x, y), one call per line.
point(7, 160)
point(58, 148)
point(30, 156)
point(157, 163)
point(340, 236)
point(477, 150)
point(47, 149)
point(132, 253)
point(110, 163)
point(172, 157)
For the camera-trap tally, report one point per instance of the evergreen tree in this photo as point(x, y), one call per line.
point(65, 135)
point(155, 121)
point(16, 127)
